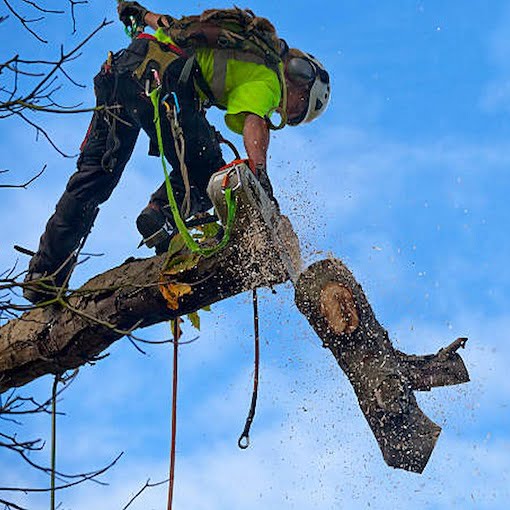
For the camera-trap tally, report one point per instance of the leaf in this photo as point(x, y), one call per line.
point(177, 243)
point(207, 308)
point(172, 292)
point(211, 230)
point(195, 320)
point(181, 262)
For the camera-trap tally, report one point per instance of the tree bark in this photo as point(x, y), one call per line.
point(383, 378)
point(263, 251)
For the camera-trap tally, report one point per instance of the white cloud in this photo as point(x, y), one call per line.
point(496, 97)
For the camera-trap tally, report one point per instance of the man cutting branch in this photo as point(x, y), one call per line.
point(229, 59)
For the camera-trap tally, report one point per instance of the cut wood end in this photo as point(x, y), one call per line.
point(339, 308)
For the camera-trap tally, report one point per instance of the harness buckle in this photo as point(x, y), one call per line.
point(226, 178)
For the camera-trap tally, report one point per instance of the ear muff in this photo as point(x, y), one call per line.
point(301, 71)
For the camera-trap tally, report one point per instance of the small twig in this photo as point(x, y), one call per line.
point(25, 22)
point(9, 505)
point(73, 17)
point(39, 129)
point(42, 9)
point(64, 486)
point(26, 184)
point(147, 485)
point(74, 82)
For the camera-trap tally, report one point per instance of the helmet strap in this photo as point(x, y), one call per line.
point(282, 109)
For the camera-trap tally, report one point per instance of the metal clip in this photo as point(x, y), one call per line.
point(155, 73)
point(226, 179)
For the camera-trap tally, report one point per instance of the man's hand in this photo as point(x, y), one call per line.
point(128, 10)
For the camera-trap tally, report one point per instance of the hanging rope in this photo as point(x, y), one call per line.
point(244, 440)
point(176, 337)
point(155, 96)
point(53, 441)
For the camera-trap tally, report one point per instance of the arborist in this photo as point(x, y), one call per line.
point(227, 58)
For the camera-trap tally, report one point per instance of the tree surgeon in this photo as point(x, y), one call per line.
point(227, 58)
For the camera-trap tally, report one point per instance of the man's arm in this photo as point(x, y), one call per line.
point(256, 140)
point(155, 21)
point(141, 14)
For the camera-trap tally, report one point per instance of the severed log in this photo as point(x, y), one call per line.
point(383, 378)
point(263, 251)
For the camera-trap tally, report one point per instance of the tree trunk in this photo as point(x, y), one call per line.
point(263, 251)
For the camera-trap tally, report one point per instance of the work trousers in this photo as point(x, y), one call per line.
point(109, 144)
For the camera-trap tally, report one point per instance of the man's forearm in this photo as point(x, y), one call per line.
point(256, 140)
point(155, 20)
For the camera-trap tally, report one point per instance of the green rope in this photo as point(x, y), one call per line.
point(155, 96)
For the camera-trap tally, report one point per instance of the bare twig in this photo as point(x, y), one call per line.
point(42, 9)
point(147, 485)
point(89, 477)
point(9, 505)
point(25, 22)
point(64, 57)
point(74, 3)
point(40, 130)
point(26, 184)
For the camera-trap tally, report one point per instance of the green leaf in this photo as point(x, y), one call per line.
point(195, 320)
point(211, 230)
point(177, 243)
point(181, 262)
point(207, 308)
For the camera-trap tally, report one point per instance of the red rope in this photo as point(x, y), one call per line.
point(174, 414)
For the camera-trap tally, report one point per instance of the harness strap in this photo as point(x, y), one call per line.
point(171, 47)
point(159, 55)
point(221, 58)
point(192, 71)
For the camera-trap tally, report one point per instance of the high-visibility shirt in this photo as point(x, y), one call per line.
point(248, 88)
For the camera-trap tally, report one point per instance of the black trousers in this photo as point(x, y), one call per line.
point(109, 144)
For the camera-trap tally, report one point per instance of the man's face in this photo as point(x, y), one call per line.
point(297, 102)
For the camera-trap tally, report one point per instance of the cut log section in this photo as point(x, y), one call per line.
point(383, 379)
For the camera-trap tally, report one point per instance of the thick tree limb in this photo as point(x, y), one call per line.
point(55, 339)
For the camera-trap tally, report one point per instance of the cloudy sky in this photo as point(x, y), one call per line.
point(405, 179)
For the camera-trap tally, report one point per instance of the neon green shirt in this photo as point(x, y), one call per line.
point(249, 87)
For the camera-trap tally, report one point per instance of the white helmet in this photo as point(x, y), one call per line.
point(303, 69)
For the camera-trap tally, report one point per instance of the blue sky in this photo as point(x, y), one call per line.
point(405, 178)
